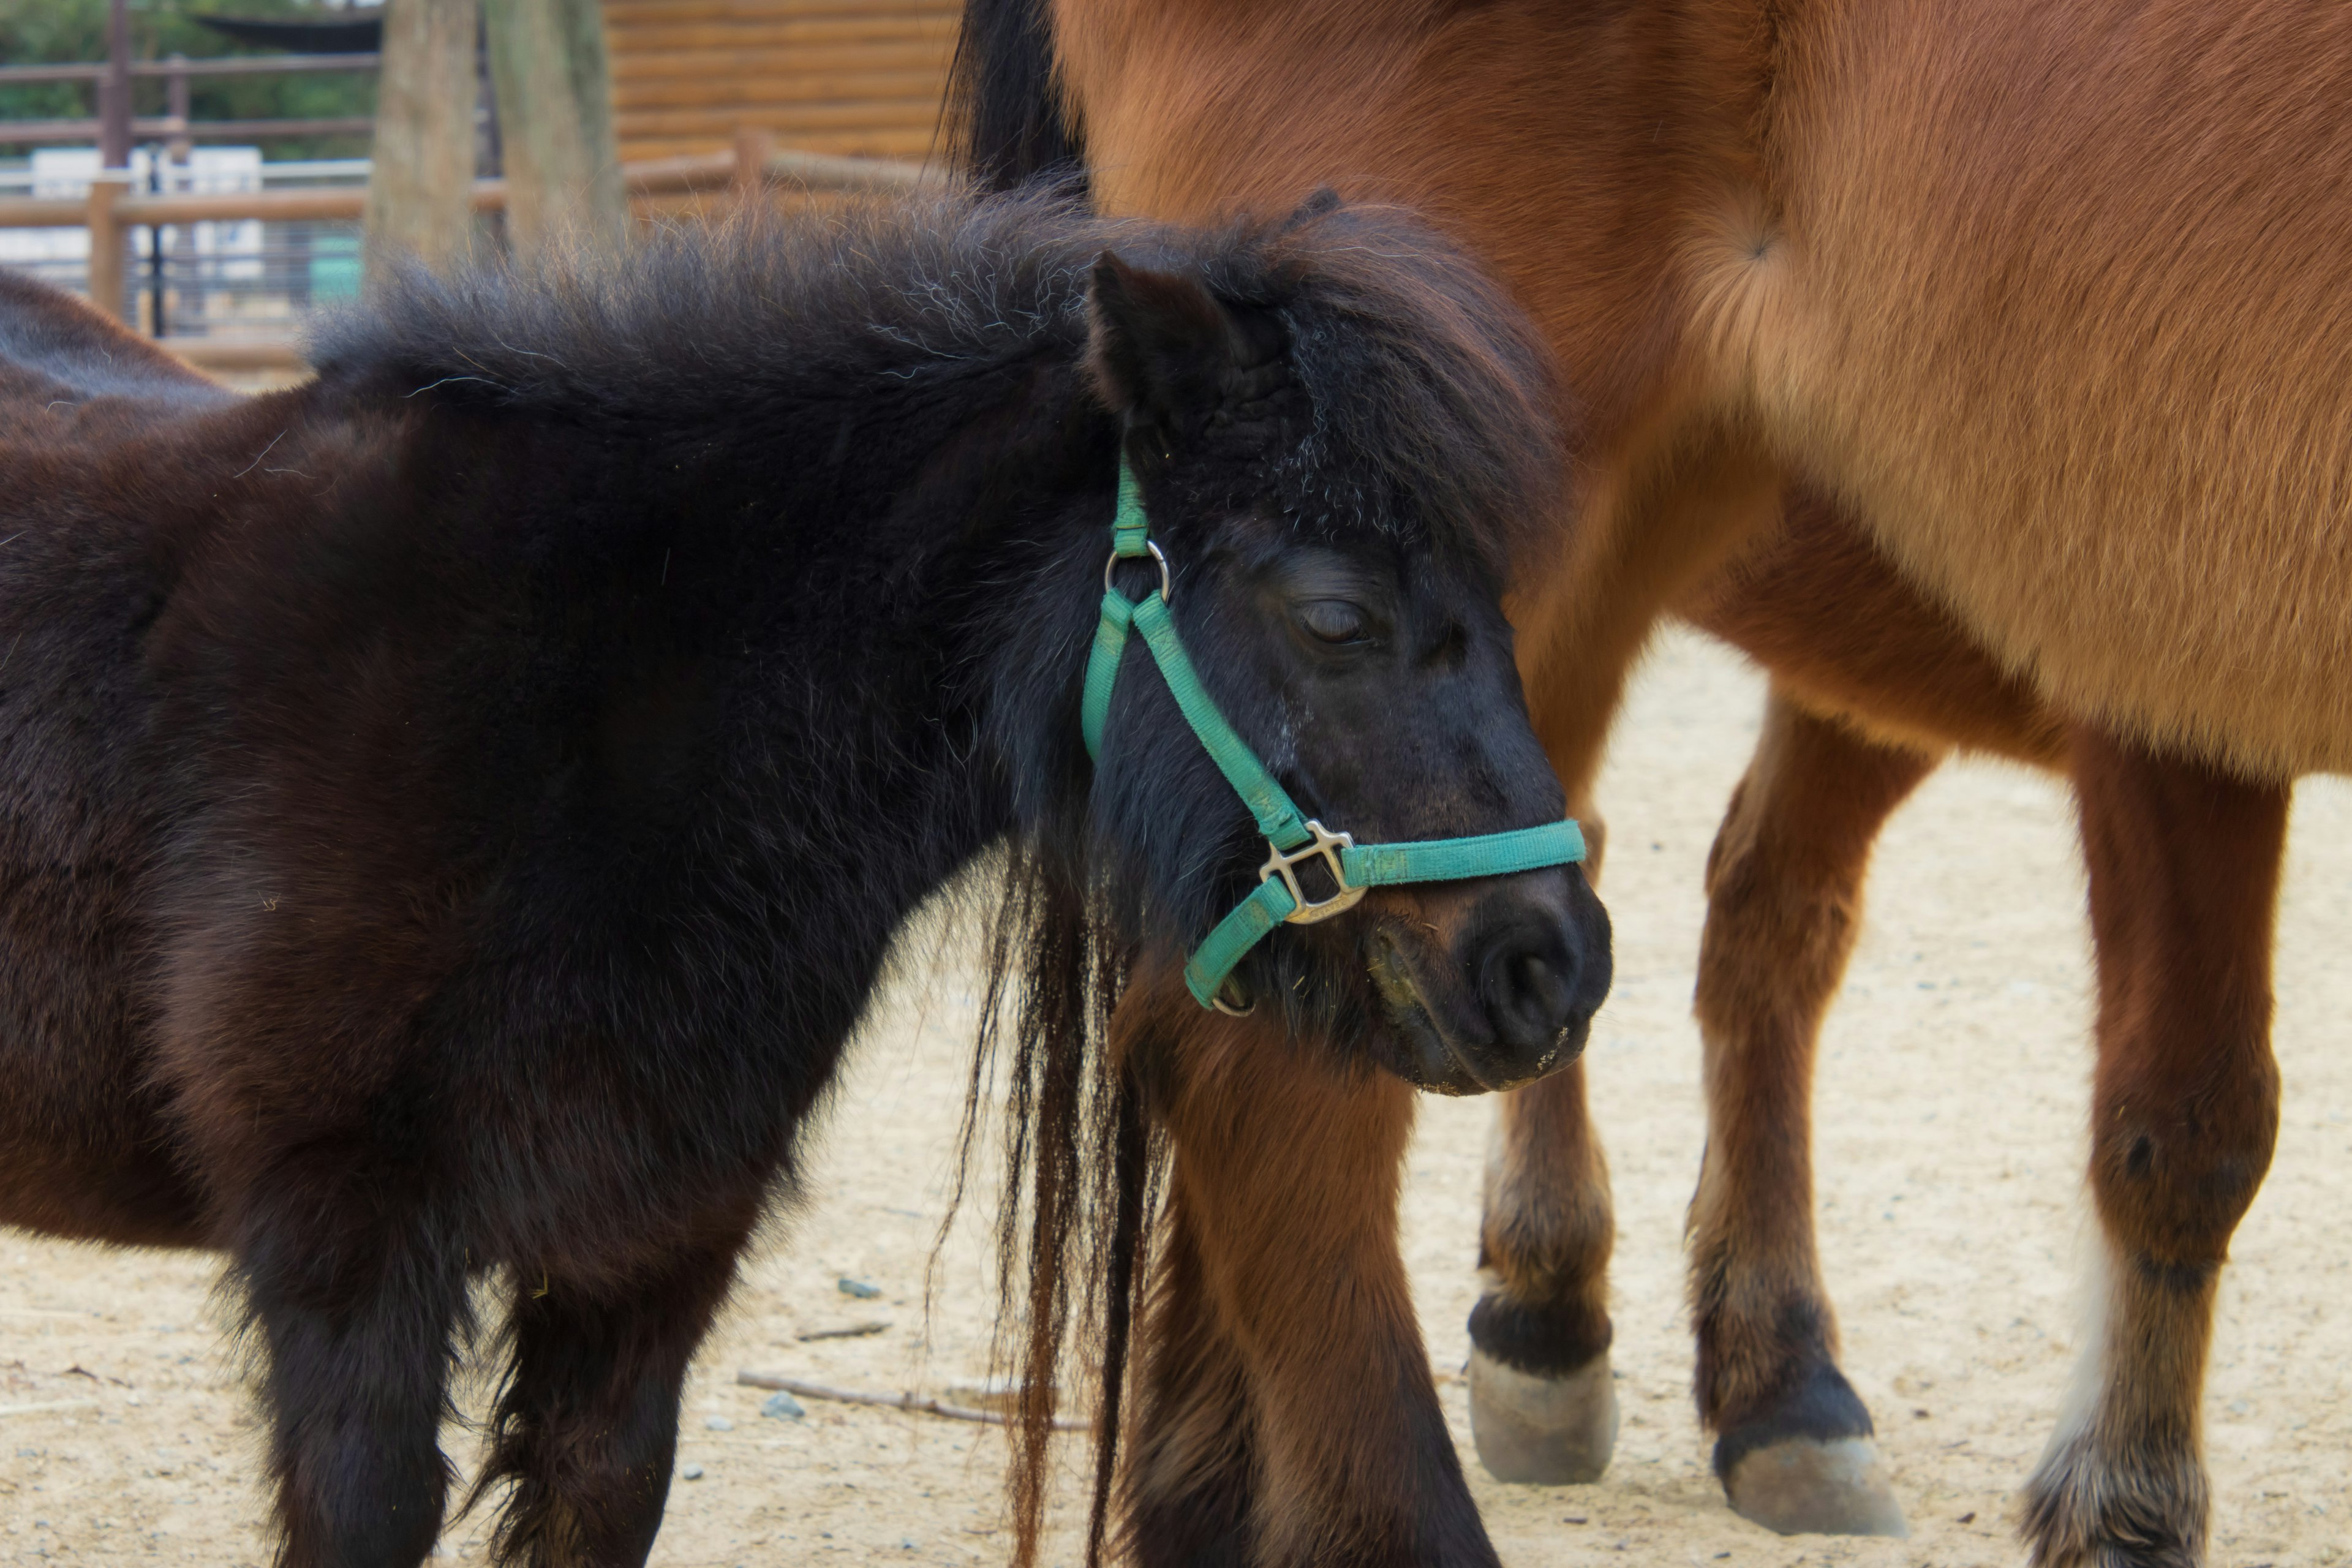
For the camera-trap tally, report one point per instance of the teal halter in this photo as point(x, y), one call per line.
point(1292, 837)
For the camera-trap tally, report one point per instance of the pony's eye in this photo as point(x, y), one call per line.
point(1332, 620)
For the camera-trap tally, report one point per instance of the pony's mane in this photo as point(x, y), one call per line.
point(760, 308)
point(1428, 398)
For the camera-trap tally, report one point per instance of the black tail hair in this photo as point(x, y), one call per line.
point(1006, 123)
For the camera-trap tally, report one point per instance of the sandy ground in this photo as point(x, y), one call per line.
point(1951, 1107)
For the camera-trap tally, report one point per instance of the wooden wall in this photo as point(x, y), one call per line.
point(862, 76)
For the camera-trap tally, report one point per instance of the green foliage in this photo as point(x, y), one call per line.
point(61, 31)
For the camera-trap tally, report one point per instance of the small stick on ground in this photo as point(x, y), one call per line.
point(921, 1403)
point(48, 1405)
point(848, 1331)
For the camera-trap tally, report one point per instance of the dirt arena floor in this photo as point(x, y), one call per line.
point(1951, 1109)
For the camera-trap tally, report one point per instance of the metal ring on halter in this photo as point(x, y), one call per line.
point(1112, 565)
point(1217, 1000)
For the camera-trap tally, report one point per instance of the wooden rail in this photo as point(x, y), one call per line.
point(110, 209)
point(211, 64)
point(179, 70)
point(688, 175)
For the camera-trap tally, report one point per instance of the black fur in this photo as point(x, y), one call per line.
point(1547, 1339)
point(1818, 1404)
point(454, 811)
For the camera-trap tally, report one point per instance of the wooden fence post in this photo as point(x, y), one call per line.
point(752, 148)
point(554, 92)
point(175, 110)
point(114, 89)
point(106, 238)
point(421, 184)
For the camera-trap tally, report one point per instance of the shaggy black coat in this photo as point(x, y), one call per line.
point(456, 811)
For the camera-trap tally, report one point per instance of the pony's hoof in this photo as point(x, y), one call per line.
point(1544, 1431)
point(1810, 1485)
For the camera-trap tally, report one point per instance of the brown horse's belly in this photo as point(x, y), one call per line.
point(2061, 310)
point(1817, 605)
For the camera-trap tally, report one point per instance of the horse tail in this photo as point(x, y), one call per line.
point(1006, 121)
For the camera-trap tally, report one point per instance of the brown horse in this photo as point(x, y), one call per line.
point(1981, 371)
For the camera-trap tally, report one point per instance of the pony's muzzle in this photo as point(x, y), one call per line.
point(1506, 992)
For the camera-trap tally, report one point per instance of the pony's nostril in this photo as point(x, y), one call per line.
point(1533, 997)
point(1535, 979)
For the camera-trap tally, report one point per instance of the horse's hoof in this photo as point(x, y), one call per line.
point(1544, 1431)
point(1808, 1486)
point(2085, 1508)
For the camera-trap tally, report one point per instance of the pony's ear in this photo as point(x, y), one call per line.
point(1166, 351)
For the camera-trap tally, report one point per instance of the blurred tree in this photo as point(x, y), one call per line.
point(554, 83)
point(61, 31)
point(420, 190)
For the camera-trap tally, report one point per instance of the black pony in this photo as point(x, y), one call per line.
point(453, 811)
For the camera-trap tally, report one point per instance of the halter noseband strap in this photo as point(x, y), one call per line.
point(1292, 837)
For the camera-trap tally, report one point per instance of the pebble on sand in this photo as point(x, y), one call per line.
point(864, 1291)
point(783, 1404)
point(690, 1472)
point(718, 1423)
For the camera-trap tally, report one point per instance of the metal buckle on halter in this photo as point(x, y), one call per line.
point(1112, 565)
point(1327, 844)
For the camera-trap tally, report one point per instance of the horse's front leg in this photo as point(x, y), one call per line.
point(1284, 1315)
point(2184, 866)
point(586, 1425)
point(1794, 1446)
point(1543, 1405)
point(358, 1303)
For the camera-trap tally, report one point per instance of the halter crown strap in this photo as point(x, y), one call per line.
point(1292, 837)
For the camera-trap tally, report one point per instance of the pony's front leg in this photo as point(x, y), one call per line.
point(2184, 866)
point(1286, 1168)
point(359, 1311)
point(586, 1425)
point(1794, 1446)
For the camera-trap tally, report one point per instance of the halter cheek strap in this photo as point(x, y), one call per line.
point(1292, 837)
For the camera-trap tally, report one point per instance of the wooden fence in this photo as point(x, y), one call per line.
point(863, 78)
point(175, 125)
point(754, 168)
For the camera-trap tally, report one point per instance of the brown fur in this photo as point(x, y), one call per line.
point(1784, 905)
point(1254, 1443)
point(2184, 865)
point(1968, 367)
point(2054, 302)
